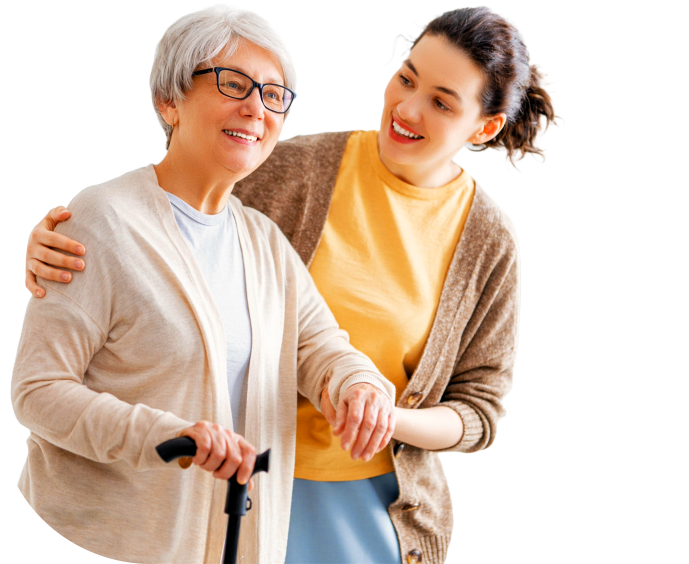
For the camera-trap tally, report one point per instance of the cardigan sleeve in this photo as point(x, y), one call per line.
point(61, 335)
point(483, 371)
point(50, 398)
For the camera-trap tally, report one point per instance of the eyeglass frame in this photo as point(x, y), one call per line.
point(254, 84)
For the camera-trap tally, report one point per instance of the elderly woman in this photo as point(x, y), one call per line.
point(195, 310)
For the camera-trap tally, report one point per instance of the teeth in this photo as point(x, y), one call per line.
point(400, 131)
point(237, 134)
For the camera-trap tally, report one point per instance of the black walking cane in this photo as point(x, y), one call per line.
point(238, 501)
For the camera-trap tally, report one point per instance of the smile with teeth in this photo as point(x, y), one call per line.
point(401, 131)
point(237, 134)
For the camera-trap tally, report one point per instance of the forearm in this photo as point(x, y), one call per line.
point(50, 398)
point(324, 353)
point(432, 428)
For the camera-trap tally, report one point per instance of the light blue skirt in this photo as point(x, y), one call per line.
point(343, 522)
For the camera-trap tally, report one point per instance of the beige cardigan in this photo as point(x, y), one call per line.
point(467, 361)
point(133, 350)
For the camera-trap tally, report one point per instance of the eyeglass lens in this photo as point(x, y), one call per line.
point(236, 85)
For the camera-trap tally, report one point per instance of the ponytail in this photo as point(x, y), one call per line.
point(519, 135)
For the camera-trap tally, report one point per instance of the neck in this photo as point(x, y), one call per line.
point(199, 184)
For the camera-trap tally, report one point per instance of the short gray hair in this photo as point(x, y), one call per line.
point(198, 38)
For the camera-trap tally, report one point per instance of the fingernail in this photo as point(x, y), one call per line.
point(79, 263)
point(38, 293)
point(65, 276)
point(79, 249)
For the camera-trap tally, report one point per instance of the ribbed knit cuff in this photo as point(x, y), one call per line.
point(386, 386)
point(434, 548)
point(472, 423)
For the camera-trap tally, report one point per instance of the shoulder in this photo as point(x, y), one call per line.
point(316, 143)
point(262, 229)
point(493, 223)
point(122, 191)
point(299, 155)
point(98, 211)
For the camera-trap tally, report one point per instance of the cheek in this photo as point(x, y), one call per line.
point(391, 94)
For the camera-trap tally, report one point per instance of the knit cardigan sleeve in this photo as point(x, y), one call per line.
point(482, 375)
point(60, 337)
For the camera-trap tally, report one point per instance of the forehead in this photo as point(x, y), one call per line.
point(441, 64)
point(259, 63)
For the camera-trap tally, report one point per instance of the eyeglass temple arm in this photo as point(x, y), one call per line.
point(204, 71)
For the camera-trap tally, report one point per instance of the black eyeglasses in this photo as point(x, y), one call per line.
point(237, 85)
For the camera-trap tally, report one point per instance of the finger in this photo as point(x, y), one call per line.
point(46, 237)
point(55, 216)
point(48, 272)
point(184, 462)
point(54, 258)
point(251, 485)
point(366, 428)
point(192, 433)
point(327, 408)
point(248, 461)
point(355, 414)
point(233, 457)
point(340, 418)
point(202, 438)
point(379, 431)
point(32, 286)
point(218, 451)
point(388, 435)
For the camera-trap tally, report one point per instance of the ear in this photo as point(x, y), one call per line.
point(169, 112)
point(491, 127)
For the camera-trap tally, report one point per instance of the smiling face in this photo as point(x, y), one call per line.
point(224, 136)
point(431, 111)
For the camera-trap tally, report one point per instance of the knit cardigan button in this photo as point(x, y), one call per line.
point(414, 557)
point(414, 398)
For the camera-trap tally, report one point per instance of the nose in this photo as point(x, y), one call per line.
point(252, 106)
point(409, 109)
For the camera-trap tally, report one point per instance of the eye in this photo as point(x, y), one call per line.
point(405, 81)
point(441, 106)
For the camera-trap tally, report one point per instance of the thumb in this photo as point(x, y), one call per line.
point(341, 418)
point(55, 216)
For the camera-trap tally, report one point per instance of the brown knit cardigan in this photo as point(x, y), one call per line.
point(468, 358)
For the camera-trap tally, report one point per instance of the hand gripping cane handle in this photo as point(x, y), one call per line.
point(237, 495)
point(237, 502)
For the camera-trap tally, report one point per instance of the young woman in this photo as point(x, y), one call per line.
point(417, 264)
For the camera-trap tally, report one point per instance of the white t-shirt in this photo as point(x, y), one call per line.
point(214, 241)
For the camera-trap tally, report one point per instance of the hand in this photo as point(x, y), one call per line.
point(39, 254)
point(221, 452)
point(365, 419)
point(327, 408)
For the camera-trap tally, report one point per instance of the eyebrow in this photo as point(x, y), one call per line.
point(447, 91)
point(271, 80)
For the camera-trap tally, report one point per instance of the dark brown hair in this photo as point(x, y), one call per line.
point(510, 84)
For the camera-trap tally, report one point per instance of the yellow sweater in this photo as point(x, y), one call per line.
point(380, 266)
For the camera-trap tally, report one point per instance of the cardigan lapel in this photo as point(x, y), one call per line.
point(465, 264)
point(200, 299)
